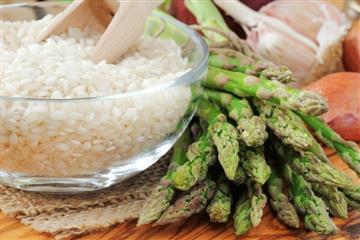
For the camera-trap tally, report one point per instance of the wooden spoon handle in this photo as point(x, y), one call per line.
point(124, 30)
point(75, 15)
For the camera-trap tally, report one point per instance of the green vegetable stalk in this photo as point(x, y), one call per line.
point(200, 154)
point(244, 85)
point(224, 135)
point(189, 203)
point(313, 208)
point(252, 128)
point(163, 194)
point(279, 200)
point(219, 208)
point(348, 151)
point(236, 61)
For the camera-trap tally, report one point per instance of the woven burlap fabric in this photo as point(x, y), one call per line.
point(69, 215)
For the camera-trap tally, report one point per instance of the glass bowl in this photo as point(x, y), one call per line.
point(85, 144)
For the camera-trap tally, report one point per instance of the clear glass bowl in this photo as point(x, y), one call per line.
point(75, 145)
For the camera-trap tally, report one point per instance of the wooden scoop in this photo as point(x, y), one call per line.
point(123, 20)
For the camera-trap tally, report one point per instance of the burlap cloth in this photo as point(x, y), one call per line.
point(68, 216)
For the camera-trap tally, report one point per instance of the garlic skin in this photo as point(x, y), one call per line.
point(304, 36)
point(322, 23)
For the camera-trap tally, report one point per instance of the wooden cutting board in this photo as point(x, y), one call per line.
point(199, 228)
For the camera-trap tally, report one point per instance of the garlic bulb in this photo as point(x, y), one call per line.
point(304, 36)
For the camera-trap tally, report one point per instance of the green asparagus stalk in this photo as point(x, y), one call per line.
point(223, 134)
point(348, 151)
point(255, 165)
point(280, 202)
point(312, 207)
point(290, 129)
point(188, 204)
point(200, 154)
point(207, 15)
point(219, 208)
point(249, 208)
point(162, 195)
point(312, 169)
point(333, 198)
point(244, 85)
point(240, 175)
point(352, 197)
point(252, 128)
point(236, 61)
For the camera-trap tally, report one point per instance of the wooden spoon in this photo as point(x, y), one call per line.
point(123, 20)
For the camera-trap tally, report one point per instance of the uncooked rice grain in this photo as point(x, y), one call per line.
point(75, 137)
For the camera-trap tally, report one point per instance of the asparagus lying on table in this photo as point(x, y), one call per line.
point(289, 128)
point(311, 168)
point(249, 208)
point(255, 165)
point(280, 202)
point(240, 175)
point(224, 135)
point(348, 151)
point(313, 208)
point(219, 208)
point(200, 154)
point(162, 195)
point(188, 204)
point(244, 85)
point(333, 198)
point(252, 128)
point(352, 198)
point(236, 61)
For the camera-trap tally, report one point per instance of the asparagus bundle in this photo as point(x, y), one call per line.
point(255, 104)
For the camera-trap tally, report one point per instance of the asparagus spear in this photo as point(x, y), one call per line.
point(348, 151)
point(352, 197)
point(252, 128)
point(311, 168)
point(290, 129)
point(188, 204)
point(207, 15)
point(236, 61)
point(200, 154)
point(162, 195)
point(224, 136)
point(333, 198)
point(280, 202)
point(312, 207)
point(249, 208)
point(255, 165)
point(244, 85)
point(219, 208)
point(240, 175)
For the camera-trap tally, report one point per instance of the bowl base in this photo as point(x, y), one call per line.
point(89, 182)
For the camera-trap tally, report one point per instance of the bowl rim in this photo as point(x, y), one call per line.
point(195, 73)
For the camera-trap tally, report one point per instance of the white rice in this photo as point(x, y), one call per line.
point(70, 138)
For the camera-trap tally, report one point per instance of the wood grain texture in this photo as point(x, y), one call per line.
point(199, 228)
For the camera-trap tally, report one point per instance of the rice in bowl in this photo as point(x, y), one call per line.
point(65, 138)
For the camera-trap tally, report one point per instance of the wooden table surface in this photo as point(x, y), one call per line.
point(199, 228)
